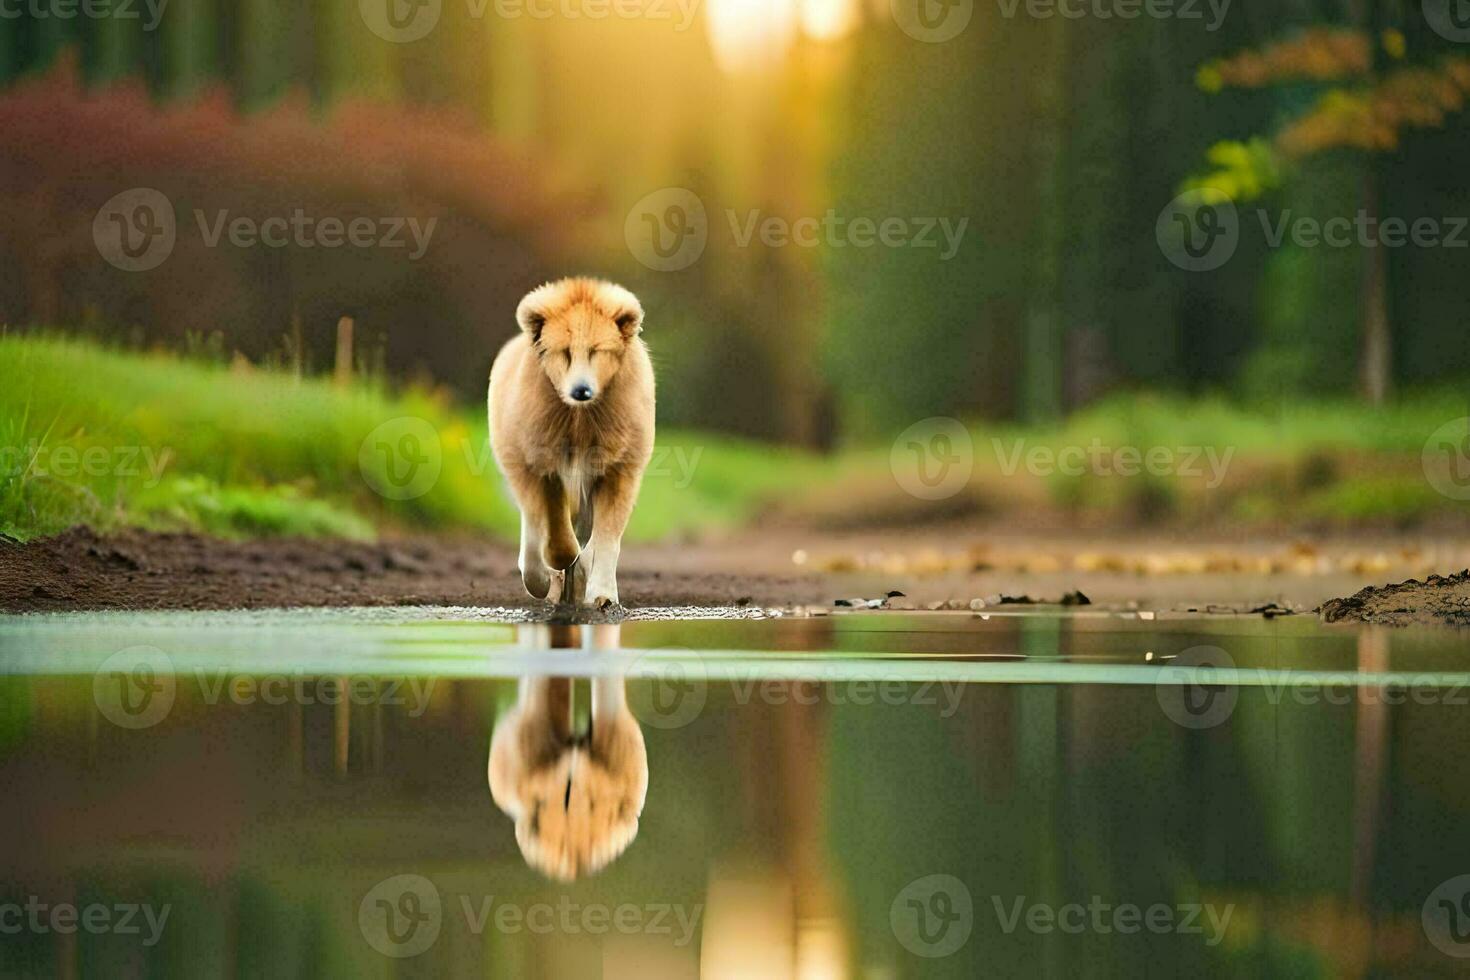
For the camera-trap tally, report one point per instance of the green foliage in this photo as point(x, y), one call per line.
point(184, 444)
point(1307, 303)
point(1242, 171)
point(1394, 498)
point(199, 503)
point(203, 446)
point(180, 444)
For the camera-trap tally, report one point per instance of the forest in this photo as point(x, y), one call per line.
point(824, 147)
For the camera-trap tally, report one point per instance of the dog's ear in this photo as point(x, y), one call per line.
point(531, 314)
point(630, 320)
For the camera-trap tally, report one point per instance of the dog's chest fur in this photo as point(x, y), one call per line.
point(579, 445)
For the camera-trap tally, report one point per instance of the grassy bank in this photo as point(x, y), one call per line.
point(108, 438)
point(115, 439)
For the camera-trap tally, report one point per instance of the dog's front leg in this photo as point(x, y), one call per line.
point(612, 504)
point(535, 573)
point(560, 548)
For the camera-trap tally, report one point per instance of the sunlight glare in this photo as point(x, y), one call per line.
point(750, 34)
point(828, 20)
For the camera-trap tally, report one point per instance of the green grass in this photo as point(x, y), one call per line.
point(107, 438)
point(1335, 462)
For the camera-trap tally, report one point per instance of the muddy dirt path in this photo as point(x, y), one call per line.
point(772, 566)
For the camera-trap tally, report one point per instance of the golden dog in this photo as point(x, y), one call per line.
point(575, 800)
point(571, 425)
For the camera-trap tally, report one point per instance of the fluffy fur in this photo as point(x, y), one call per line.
point(574, 466)
point(575, 800)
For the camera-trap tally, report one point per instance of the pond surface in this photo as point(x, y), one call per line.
point(440, 792)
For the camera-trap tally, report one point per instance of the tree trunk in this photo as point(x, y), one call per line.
point(1044, 329)
point(1375, 350)
point(1375, 353)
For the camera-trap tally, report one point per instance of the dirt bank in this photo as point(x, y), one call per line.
point(1436, 601)
point(771, 566)
point(80, 569)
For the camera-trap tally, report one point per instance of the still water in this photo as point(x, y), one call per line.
point(437, 792)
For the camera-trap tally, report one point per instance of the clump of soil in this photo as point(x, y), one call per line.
point(1437, 601)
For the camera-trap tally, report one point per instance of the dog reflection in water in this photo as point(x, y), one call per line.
point(575, 796)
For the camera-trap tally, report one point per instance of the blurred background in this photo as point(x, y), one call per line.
point(845, 217)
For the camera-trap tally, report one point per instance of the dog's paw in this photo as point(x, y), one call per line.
point(601, 595)
point(537, 579)
point(558, 591)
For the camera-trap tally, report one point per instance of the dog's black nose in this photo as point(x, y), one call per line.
point(581, 393)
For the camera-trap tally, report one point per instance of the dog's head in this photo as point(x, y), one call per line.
point(575, 802)
point(580, 329)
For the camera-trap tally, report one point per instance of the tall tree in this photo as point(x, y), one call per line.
point(1370, 98)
